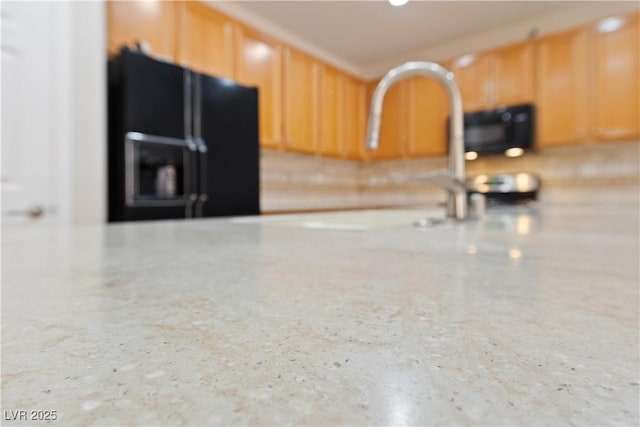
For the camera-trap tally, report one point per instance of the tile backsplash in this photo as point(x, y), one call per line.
point(291, 182)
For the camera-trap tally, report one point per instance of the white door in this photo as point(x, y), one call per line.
point(26, 184)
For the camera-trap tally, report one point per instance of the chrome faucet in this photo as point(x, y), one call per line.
point(453, 180)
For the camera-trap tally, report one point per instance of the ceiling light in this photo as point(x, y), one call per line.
point(514, 152)
point(398, 2)
point(258, 51)
point(610, 24)
point(463, 61)
point(470, 155)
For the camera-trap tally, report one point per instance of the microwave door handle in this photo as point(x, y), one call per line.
point(507, 121)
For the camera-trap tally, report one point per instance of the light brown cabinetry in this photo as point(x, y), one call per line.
point(615, 112)
point(512, 74)
point(205, 39)
point(301, 106)
point(584, 82)
point(152, 22)
point(496, 78)
point(427, 112)
point(331, 110)
point(473, 77)
point(562, 88)
point(354, 126)
point(414, 119)
point(342, 118)
point(259, 63)
point(393, 127)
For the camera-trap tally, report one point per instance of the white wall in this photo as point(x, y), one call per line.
point(88, 62)
point(76, 83)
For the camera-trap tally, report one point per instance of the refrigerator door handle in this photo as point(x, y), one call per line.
point(201, 145)
point(191, 189)
point(202, 166)
point(192, 196)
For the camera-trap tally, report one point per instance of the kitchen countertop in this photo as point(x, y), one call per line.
point(528, 316)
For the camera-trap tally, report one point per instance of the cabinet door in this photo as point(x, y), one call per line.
point(472, 75)
point(355, 122)
point(513, 74)
point(331, 108)
point(259, 63)
point(139, 20)
point(616, 87)
point(205, 40)
point(301, 101)
point(427, 112)
point(393, 129)
point(562, 88)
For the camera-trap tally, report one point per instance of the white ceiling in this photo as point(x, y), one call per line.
point(367, 37)
point(366, 32)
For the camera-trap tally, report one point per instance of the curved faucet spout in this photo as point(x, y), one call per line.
point(457, 206)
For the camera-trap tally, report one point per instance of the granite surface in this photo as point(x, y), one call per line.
point(528, 316)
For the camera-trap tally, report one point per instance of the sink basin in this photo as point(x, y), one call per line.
point(345, 221)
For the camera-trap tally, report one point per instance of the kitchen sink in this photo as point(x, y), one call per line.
point(347, 221)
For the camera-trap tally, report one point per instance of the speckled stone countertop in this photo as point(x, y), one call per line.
point(527, 317)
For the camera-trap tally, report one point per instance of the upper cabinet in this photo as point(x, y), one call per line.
point(393, 127)
point(259, 63)
point(474, 80)
point(331, 112)
point(512, 75)
point(496, 78)
point(342, 113)
point(301, 115)
point(427, 112)
point(616, 75)
point(354, 125)
point(562, 88)
point(205, 39)
point(151, 22)
point(584, 82)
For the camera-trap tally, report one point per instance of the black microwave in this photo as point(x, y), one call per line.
point(499, 130)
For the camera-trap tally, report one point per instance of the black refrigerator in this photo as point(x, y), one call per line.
point(181, 144)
